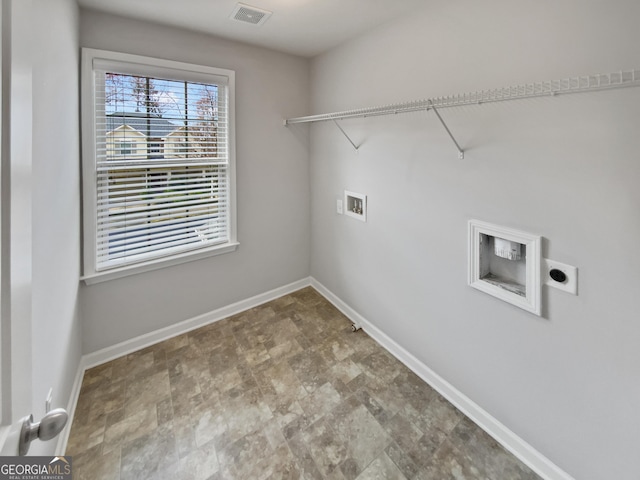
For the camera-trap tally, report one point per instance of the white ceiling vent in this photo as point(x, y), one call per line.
point(249, 14)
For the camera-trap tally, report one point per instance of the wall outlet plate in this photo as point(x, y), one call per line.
point(339, 206)
point(570, 284)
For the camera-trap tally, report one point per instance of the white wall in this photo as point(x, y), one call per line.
point(56, 330)
point(272, 187)
point(565, 168)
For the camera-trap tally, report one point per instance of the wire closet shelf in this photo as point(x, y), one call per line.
point(579, 84)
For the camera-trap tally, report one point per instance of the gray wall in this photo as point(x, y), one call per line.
point(565, 168)
point(56, 327)
point(272, 187)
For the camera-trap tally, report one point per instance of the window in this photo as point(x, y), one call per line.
point(158, 163)
point(125, 148)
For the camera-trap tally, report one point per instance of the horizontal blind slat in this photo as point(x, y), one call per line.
point(114, 227)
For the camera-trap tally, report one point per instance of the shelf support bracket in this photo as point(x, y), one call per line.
point(460, 151)
point(346, 136)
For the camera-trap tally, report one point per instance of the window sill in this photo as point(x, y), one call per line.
point(159, 263)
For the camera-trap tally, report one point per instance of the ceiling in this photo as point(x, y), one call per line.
point(300, 27)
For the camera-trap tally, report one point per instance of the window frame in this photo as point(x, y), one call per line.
point(159, 68)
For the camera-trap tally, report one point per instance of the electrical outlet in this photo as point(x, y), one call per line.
point(561, 276)
point(339, 206)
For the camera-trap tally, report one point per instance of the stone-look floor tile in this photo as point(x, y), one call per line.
point(199, 464)
point(310, 368)
point(143, 393)
point(326, 447)
point(106, 399)
point(372, 405)
point(176, 343)
point(92, 465)
point(182, 390)
point(424, 449)
point(407, 466)
point(308, 296)
point(362, 344)
point(303, 458)
point(97, 376)
point(402, 431)
point(150, 456)
point(208, 425)
point(345, 370)
point(413, 390)
point(282, 391)
point(114, 417)
point(439, 414)
point(224, 357)
point(296, 425)
point(164, 410)
point(382, 468)
point(244, 456)
point(281, 386)
point(130, 428)
point(391, 398)
point(333, 348)
point(257, 355)
point(282, 465)
point(449, 463)
point(486, 454)
point(273, 433)
point(380, 365)
point(282, 304)
point(350, 469)
point(85, 437)
point(244, 411)
point(320, 402)
point(284, 350)
point(227, 379)
point(132, 364)
point(209, 338)
point(361, 433)
point(283, 330)
point(358, 383)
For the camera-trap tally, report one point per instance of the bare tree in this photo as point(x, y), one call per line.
point(205, 129)
point(141, 92)
point(146, 95)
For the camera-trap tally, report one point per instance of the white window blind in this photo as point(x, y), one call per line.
point(162, 163)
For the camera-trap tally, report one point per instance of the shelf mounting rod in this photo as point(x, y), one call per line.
point(460, 151)
point(346, 136)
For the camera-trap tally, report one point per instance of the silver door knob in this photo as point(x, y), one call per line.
point(50, 426)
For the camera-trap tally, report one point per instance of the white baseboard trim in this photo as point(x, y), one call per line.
point(138, 343)
point(63, 438)
point(509, 440)
point(129, 346)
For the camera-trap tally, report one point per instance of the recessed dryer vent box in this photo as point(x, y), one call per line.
point(505, 263)
point(355, 205)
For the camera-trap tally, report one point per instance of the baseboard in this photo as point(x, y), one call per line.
point(110, 353)
point(129, 346)
point(518, 447)
point(63, 438)
point(509, 440)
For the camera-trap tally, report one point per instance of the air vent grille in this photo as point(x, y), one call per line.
point(249, 14)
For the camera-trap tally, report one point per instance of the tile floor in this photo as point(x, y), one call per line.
point(282, 391)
